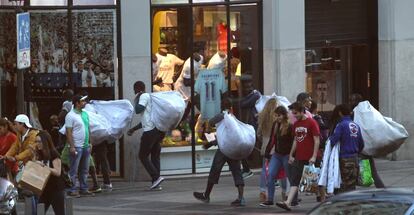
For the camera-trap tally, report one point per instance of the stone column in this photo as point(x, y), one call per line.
point(284, 47)
point(396, 66)
point(136, 65)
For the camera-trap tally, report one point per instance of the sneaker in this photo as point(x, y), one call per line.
point(95, 189)
point(73, 194)
point(247, 175)
point(201, 197)
point(86, 194)
point(262, 196)
point(157, 188)
point(238, 202)
point(157, 182)
point(106, 187)
point(266, 204)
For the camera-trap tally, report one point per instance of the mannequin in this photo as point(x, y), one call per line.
point(167, 62)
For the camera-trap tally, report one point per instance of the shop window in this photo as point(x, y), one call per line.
point(94, 2)
point(8, 76)
point(207, 1)
point(212, 52)
point(9, 3)
point(324, 70)
point(48, 2)
point(169, 1)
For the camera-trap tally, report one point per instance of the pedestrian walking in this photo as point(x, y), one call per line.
point(348, 134)
point(151, 138)
point(354, 100)
point(277, 151)
point(304, 149)
point(54, 191)
point(78, 139)
point(218, 162)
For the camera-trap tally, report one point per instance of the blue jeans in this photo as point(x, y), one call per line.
point(80, 161)
point(276, 162)
point(263, 181)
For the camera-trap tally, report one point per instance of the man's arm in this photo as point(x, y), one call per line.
point(336, 136)
point(250, 100)
point(69, 137)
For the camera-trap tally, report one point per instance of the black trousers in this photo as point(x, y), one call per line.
point(101, 159)
point(151, 145)
point(56, 199)
point(218, 162)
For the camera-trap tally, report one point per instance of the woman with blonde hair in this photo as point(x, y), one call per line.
point(265, 123)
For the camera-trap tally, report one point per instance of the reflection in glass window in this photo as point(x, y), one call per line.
point(94, 51)
point(8, 77)
point(207, 1)
point(8, 2)
point(48, 2)
point(168, 1)
point(94, 2)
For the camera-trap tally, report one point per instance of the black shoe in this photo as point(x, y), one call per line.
point(201, 197)
point(266, 204)
point(238, 202)
point(294, 204)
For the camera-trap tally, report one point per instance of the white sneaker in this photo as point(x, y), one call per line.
point(157, 182)
point(106, 187)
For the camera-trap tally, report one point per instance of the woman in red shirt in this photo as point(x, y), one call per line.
point(7, 139)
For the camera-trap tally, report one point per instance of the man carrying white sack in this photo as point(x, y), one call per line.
point(151, 138)
point(218, 162)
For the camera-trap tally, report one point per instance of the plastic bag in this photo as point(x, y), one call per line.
point(310, 177)
point(235, 139)
point(261, 102)
point(118, 113)
point(381, 134)
point(99, 128)
point(365, 176)
point(167, 110)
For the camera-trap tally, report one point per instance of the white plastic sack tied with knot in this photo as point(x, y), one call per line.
point(118, 113)
point(381, 134)
point(261, 102)
point(167, 109)
point(235, 139)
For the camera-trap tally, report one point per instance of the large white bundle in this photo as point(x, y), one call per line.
point(261, 102)
point(118, 113)
point(98, 128)
point(381, 134)
point(235, 139)
point(167, 109)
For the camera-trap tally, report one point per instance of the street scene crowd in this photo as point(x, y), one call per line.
point(296, 144)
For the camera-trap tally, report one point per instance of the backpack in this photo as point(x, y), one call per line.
point(324, 130)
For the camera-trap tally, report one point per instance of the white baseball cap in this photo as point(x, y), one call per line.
point(22, 118)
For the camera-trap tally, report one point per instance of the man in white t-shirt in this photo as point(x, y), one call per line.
point(151, 138)
point(77, 134)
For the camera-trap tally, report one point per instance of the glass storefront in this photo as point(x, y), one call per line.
point(189, 41)
point(72, 47)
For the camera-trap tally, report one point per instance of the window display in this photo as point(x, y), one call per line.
point(216, 69)
point(324, 75)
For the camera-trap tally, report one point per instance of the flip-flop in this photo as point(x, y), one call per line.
point(283, 205)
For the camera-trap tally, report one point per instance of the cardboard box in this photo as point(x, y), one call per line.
point(34, 177)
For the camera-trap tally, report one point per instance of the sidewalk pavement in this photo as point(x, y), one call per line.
point(177, 195)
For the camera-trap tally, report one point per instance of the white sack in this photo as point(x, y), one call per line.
point(118, 113)
point(330, 176)
point(235, 139)
point(99, 128)
point(381, 134)
point(261, 102)
point(167, 109)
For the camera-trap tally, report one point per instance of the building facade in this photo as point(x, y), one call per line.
point(329, 48)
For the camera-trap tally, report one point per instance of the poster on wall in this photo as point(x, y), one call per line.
point(324, 90)
point(23, 40)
